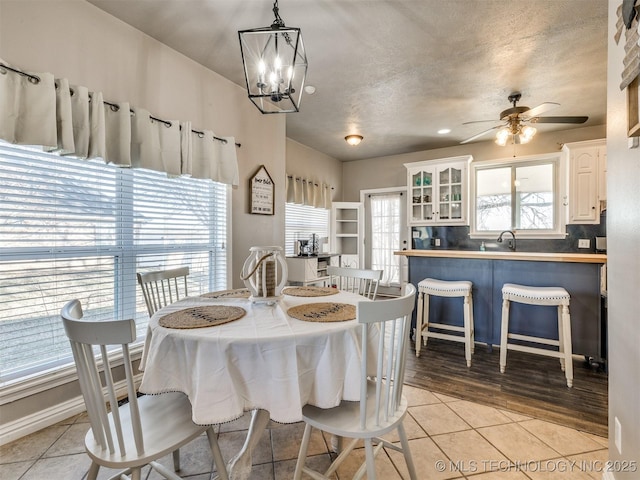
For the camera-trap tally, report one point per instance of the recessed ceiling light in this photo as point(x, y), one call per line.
point(310, 89)
point(444, 131)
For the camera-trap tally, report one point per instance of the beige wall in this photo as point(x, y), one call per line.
point(75, 40)
point(390, 172)
point(305, 162)
point(623, 242)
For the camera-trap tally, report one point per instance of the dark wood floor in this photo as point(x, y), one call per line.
point(532, 384)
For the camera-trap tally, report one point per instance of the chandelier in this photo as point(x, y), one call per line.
point(275, 65)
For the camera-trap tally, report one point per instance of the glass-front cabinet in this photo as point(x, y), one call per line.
point(438, 191)
point(422, 194)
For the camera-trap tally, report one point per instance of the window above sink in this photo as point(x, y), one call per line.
point(523, 195)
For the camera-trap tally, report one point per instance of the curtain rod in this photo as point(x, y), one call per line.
point(35, 80)
point(115, 107)
point(32, 78)
point(303, 180)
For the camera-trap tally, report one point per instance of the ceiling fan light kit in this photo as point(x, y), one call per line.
point(519, 134)
point(275, 65)
point(515, 120)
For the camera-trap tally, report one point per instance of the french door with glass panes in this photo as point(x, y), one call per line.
point(385, 233)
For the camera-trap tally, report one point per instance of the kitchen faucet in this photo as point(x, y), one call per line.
point(512, 243)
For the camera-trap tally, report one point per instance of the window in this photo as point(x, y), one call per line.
point(518, 195)
point(300, 221)
point(385, 236)
point(81, 229)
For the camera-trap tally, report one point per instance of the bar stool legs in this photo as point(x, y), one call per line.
point(566, 342)
point(470, 345)
point(544, 296)
point(442, 288)
point(423, 304)
point(504, 329)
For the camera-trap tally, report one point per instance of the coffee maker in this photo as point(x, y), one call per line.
point(301, 247)
point(309, 247)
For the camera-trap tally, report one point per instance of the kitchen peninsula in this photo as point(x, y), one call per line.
point(578, 273)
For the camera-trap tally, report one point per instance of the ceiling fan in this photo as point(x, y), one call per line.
point(515, 121)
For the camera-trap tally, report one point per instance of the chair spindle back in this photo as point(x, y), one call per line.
point(356, 280)
point(84, 335)
point(392, 318)
point(163, 287)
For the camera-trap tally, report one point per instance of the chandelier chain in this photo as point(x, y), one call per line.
point(278, 20)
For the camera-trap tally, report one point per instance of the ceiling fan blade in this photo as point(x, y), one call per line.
point(558, 119)
point(479, 121)
point(543, 107)
point(470, 139)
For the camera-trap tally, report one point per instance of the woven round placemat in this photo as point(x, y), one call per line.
point(235, 293)
point(310, 291)
point(199, 317)
point(323, 312)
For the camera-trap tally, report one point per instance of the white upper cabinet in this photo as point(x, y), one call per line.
point(438, 192)
point(587, 180)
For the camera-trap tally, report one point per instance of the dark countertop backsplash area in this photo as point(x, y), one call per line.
point(457, 238)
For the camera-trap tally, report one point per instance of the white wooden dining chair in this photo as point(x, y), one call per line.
point(162, 287)
point(382, 407)
point(357, 280)
point(140, 431)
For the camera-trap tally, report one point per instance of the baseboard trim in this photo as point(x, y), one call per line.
point(41, 419)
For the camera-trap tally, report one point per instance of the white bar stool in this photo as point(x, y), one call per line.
point(545, 296)
point(443, 288)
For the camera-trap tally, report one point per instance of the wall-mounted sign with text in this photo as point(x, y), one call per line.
point(262, 188)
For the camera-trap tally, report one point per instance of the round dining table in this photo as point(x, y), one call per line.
point(266, 361)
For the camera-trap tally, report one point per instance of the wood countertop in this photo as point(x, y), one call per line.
point(490, 255)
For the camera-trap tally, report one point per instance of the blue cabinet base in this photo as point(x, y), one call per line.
point(581, 280)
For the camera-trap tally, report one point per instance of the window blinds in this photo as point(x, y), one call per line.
point(73, 228)
point(301, 221)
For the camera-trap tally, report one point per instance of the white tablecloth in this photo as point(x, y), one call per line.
point(264, 360)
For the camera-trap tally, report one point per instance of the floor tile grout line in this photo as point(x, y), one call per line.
point(558, 425)
point(511, 461)
point(41, 456)
point(471, 428)
point(586, 435)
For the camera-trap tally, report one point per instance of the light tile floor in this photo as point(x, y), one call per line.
point(449, 439)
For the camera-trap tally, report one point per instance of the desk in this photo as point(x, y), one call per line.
point(266, 361)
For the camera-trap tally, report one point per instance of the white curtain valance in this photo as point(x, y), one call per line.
point(37, 109)
point(155, 145)
point(304, 191)
point(28, 109)
point(64, 123)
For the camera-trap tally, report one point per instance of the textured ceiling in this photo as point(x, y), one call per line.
point(397, 71)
